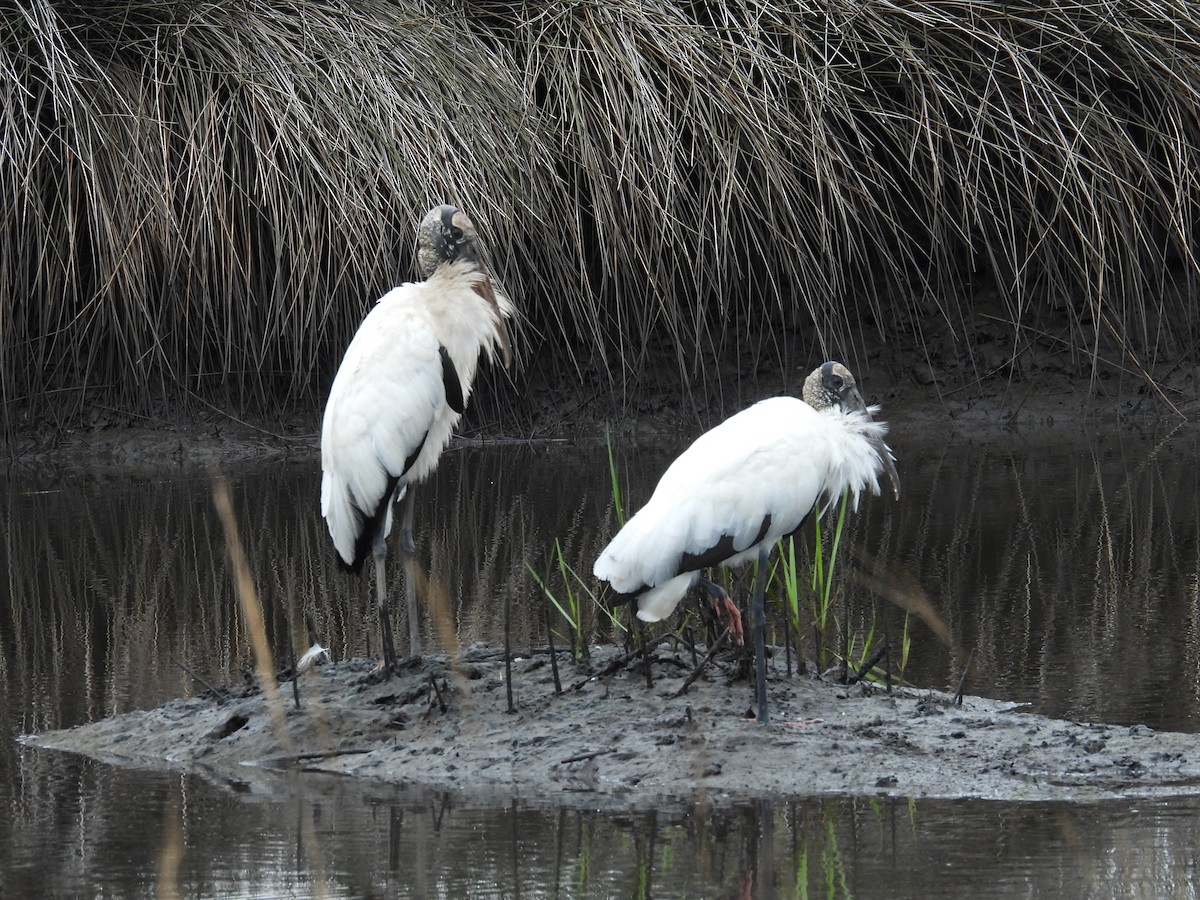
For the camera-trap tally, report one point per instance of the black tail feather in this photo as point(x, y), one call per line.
point(371, 526)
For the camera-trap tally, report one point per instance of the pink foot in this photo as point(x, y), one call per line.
point(728, 613)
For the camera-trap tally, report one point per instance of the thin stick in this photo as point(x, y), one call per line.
point(508, 650)
point(622, 661)
point(645, 654)
point(787, 648)
point(553, 655)
point(441, 702)
point(212, 690)
point(703, 664)
point(591, 754)
point(868, 665)
point(958, 695)
point(292, 654)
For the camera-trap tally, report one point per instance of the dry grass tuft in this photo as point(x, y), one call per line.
point(202, 199)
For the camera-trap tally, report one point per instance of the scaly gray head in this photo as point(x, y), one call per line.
point(832, 385)
point(446, 235)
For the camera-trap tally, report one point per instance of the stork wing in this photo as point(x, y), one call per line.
point(385, 397)
point(752, 478)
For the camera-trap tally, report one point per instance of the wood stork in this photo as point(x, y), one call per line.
point(738, 489)
point(400, 390)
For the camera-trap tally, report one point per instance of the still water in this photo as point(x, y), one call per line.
point(1067, 569)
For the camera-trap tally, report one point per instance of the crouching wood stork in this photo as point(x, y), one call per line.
point(400, 390)
point(738, 489)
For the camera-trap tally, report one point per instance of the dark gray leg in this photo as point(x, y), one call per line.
point(379, 551)
point(759, 620)
point(641, 631)
point(406, 522)
point(409, 546)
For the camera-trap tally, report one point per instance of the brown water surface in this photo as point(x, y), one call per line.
point(1070, 570)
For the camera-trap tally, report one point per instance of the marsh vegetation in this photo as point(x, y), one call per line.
point(202, 199)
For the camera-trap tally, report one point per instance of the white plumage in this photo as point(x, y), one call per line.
point(401, 388)
point(742, 486)
point(768, 464)
point(389, 398)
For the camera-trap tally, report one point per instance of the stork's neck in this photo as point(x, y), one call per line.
point(465, 322)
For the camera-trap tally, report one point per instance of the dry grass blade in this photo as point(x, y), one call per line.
point(901, 589)
point(251, 608)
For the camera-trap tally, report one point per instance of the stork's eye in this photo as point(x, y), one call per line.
point(456, 233)
point(837, 382)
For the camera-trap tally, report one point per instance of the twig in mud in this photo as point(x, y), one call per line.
point(508, 651)
point(299, 759)
point(295, 670)
point(218, 695)
point(641, 633)
point(623, 661)
point(437, 692)
point(868, 665)
point(703, 664)
point(553, 655)
point(962, 681)
point(787, 652)
point(591, 754)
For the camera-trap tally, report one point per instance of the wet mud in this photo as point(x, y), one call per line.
point(613, 742)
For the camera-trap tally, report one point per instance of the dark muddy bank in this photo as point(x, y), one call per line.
point(919, 403)
point(614, 742)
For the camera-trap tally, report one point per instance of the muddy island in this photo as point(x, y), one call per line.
point(612, 742)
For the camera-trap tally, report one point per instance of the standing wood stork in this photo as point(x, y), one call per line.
point(738, 489)
point(398, 393)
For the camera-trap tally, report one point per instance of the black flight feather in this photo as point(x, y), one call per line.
point(372, 522)
point(718, 552)
point(454, 391)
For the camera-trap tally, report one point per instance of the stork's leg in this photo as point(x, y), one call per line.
point(759, 623)
point(379, 551)
point(726, 610)
point(406, 522)
point(641, 633)
point(409, 546)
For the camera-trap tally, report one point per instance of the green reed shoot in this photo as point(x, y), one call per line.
point(571, 605)
point(788, 572)
point(614, 480)
point(785, 581)
point(575, 589)
point(822, 574)
point(568, 607)
point(856, 655)
point(860, 648)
